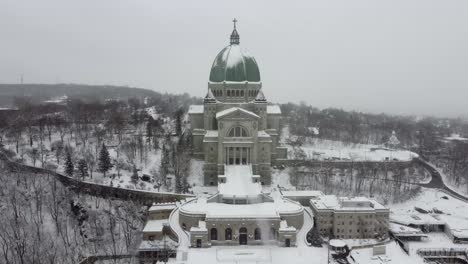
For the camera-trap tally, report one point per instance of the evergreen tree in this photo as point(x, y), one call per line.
point(134, 177)
point(164, 168)
point(69, 167)
point(83, 168)
point(149, 132)
point(178, 115)
point(104, 163)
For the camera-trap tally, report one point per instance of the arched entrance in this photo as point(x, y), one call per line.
point(243, 236)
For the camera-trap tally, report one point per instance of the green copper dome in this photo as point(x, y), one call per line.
point(234, 64)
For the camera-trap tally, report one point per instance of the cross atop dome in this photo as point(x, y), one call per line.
point(234, 34)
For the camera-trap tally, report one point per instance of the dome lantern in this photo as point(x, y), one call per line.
point(234, 64)
point(234, 35)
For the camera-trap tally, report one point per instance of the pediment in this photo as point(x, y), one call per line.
point(236, 112)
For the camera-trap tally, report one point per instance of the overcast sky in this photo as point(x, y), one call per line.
point(398, 56)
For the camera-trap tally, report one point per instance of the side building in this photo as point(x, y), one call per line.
point(158, 243)
point(350, 218)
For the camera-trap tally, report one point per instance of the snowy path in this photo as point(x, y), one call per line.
point(437, 181)
point(182, 235)
point(306, 227)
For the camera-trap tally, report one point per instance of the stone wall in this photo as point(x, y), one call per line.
point(104, 191)
point(343, 164)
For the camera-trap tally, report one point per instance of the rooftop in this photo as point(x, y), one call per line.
point(235, 109)
point(234, 64)
point(258, 210)
point(162, 207)
point(155, 225)
point(196, 109)
point(302, 193)
point(416, 219)
point(200, 228)
point(273, 109)
point(346, 204)
point(284, 226)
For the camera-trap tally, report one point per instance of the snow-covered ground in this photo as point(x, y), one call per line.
point(452, 211)
point(394, 255)
point(195, 180)
point(324, 149)
point(257, 254)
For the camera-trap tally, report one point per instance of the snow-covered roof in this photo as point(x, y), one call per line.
point(402, 230)
point(302, 193)
point(196, 109)
point(260, 96)
point(346, 204)
point(257, 210)
point(239, 182)
point(234, 109)
point(162, 207)
point(314, 130)
point(155, 225)
point(166, 242)
point(262, 133)
point(200, 228)
point(456, 224)
point(456, 137)
point(211, 133)
point(337, 243)
point(273, 109)
point(416, 219)
point(284, 227)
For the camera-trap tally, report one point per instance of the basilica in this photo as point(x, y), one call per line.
point(236, 132)
point(236, 125)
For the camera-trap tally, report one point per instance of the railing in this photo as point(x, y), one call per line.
point(442, 252)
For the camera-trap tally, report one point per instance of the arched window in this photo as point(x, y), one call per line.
point(228, 234)
point(242, 93)
point(228, 92)
point(258, 234)
point(237, 132)
point(272, 234)
point(214, 234)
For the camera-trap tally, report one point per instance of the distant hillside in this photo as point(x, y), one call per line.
point(41, 92)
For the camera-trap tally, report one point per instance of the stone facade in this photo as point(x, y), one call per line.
point(236, 124)
point(350, 218)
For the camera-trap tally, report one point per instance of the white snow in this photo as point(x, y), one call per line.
point(322, 149)
point(221, 210)
point(346, 204)
point(152, 112)
point(284, 226)
point(234, 109)
point(257, 254)
point(273, 109)
point(211, 133)
point(454, 212)
point(456, 137)
point(239, 182)
point(337, 243)
point(162, 207)
point(302, 193)
point(155, 225)
point(196, 109)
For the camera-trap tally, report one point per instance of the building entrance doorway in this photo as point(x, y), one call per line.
point(199, 242)
point(243, 236)
point(287, 242)
point(237, 155)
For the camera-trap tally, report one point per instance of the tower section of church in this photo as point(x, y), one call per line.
point(236, 125)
